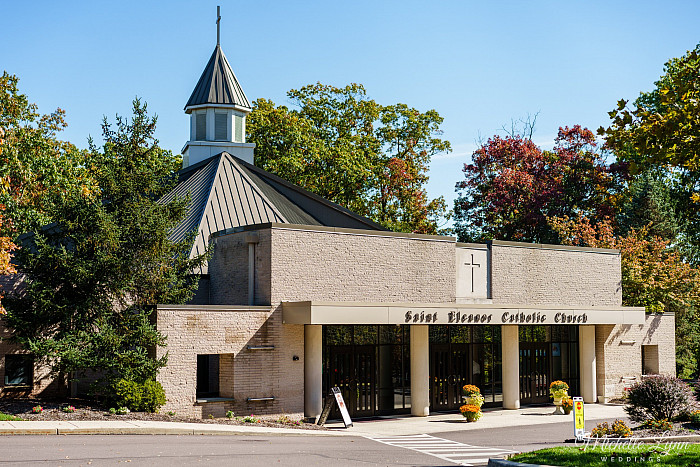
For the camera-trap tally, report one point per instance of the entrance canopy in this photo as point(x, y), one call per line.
point(313, 312)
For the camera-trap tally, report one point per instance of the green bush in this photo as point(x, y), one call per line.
point(658, 425)
point(658, 398)
point(146, 397)
point(695, 417)
point(153, 396)
point(618, 429)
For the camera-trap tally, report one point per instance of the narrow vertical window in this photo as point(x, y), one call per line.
point(220, 133)
point(201, 126)
point(238, 128)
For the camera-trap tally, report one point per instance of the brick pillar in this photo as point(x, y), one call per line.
point(510, 358)
point(313, 363)
point(587, 362)
point(420, 370)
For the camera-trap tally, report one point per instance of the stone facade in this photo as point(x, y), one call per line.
point(619, 350)
point(233, 333)
point(554, 275)
point(290, 264)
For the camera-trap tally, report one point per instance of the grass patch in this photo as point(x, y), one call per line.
point(652, 454)
point(9, 418)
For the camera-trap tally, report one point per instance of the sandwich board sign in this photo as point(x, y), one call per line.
point(336, 396)
point(579, 421)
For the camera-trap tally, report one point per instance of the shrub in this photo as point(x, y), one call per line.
point(658, 425)
point(153, 396)
point(658, 398)
point(146, 397)
point(695, 417)
point(618, 429)
point(229, 414)
point(37, 409)
point(69, 409)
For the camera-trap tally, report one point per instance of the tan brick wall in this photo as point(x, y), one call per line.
point(292, 264)
point(228, 269)
point(619, 351)
point(308, 265)
point(243, 373)
point(543, 276)
point(44, 385)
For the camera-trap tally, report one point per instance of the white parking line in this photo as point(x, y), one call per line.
point(445, 449)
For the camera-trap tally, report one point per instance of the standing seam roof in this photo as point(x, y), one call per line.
point(218, 84)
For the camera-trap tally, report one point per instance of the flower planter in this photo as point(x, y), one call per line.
point(472, 416)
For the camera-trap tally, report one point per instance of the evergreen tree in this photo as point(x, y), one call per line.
point(93, 277)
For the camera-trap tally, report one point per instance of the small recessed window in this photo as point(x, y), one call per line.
point(207, 376)
point(18, 370)
point(220, 133)
point(200, 121)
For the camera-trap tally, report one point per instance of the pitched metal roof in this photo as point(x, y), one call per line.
point(218, 84)
point(227, 192)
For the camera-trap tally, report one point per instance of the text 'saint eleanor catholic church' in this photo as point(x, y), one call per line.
point(302, 295)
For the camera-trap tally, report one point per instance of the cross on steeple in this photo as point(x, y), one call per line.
point(218, 21)
point(473, 265)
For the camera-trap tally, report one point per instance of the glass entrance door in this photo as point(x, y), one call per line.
point(450, 371)
point(354, 374)
point(534, 372)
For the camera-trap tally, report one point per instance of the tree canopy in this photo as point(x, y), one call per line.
point(94, 276)
point(370, 158)
point(660, 132)
point(512, 187)
point(36, 168)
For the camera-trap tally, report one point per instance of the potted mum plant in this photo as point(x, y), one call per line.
point(470, 412)
point(472, 395)
point(567, 403)
point(557, 391)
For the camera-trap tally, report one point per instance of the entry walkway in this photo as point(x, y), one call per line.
point(492, 418)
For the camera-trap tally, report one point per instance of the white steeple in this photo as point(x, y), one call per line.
point(218, 108)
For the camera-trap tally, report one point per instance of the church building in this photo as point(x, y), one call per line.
point(302, 295)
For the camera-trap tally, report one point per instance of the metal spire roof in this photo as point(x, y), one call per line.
point(218, 84)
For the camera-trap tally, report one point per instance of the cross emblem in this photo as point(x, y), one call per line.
point(473, 265)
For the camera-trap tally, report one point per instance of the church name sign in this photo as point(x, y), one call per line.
point(465, 317)
point(454, 314)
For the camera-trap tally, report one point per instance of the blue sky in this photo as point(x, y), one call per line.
point(479, 64)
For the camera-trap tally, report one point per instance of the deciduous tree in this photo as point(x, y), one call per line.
point(654, 275)
point(660, 131)
point(512, 187)
point(36, 168)
point(341, 145)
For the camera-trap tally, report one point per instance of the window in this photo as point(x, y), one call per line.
point(200, 121)
point(238, 121)
point(18, 370)
point(650, 359)
point(207, 376)
point(220, 131)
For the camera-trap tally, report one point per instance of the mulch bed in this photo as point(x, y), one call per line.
point(86, 410)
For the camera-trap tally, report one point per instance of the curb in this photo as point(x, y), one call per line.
point(76, 430)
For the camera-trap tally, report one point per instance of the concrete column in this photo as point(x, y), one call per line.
point(510, 356)
point(313, 364)
point(587, 363)
point(420, 371)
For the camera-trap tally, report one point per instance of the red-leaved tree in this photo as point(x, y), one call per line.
point(512, 187)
